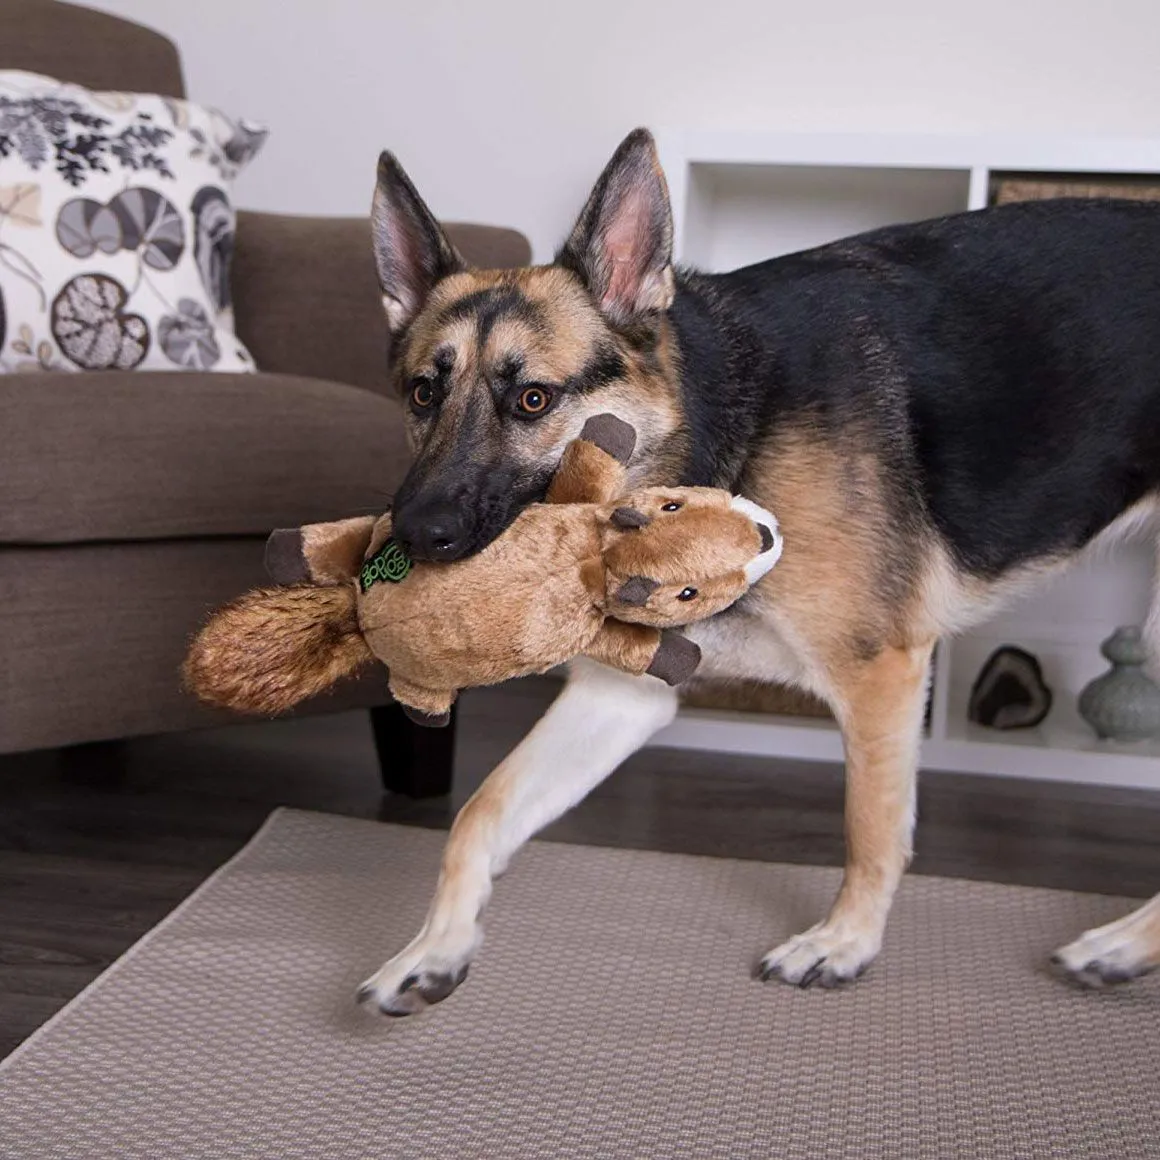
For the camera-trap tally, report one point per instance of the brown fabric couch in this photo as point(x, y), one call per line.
point(130, 504)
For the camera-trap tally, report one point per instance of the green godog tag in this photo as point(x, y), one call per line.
point(389, 563)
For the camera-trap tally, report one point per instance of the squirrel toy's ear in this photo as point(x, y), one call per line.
point(630, 517)
point(611, 434)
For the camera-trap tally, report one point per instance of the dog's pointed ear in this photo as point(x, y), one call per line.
point(411, 250)
point(622, 244)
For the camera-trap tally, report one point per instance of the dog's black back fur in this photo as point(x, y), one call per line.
point(1005, 363)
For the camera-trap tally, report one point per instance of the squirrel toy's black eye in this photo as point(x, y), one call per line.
point(534, 400)
point(422, 395)
point(673, 506)
point(687, 594)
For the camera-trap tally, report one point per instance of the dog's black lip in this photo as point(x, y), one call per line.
point(766, 538)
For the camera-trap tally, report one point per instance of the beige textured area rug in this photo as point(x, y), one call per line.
point(610, 1015)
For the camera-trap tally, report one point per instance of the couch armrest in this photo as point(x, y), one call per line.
point(306, 300)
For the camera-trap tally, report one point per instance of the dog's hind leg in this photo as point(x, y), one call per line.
point(1130, 946)
point(600, 718)
point(879, 704)
point(1122, 950)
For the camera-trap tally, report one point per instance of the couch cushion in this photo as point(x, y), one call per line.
point(148, 456)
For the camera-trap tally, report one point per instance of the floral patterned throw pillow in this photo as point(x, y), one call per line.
point(116, 229)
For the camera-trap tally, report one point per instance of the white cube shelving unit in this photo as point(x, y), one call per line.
point(743, 197)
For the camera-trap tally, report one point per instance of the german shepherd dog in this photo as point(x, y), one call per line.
point(937, 414)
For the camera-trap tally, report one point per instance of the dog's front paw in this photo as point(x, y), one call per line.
point(424, 974)
point(827, 954)
point(1115, 953)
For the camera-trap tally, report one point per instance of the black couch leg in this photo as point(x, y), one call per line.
point(414, 760)
point(94, 763)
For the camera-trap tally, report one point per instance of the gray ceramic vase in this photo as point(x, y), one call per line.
point(1123, 704)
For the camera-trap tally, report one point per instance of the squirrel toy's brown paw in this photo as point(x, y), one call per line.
point(676, 660)
point(430, 720)
point(611, 434)
point(285, 560)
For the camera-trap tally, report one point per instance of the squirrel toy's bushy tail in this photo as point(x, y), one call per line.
point(274, 647)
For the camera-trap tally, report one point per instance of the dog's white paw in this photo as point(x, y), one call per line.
point(423, 974)
point(828, 954)
point(1116, 953)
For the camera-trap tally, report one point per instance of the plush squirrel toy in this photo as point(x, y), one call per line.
point(592, 571)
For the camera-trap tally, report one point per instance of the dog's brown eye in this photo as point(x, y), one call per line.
point(676, 507)
point(534, 400)
point(422, 395)
point(686, 593)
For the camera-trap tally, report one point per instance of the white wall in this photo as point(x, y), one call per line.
point(505, 110)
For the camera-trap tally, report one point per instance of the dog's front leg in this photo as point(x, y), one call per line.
point(879, 704)
point(600, 718)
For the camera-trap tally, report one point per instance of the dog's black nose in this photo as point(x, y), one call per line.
point(766, 538)
point(437, 532)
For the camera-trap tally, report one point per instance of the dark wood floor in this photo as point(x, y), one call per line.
point(97, 846)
